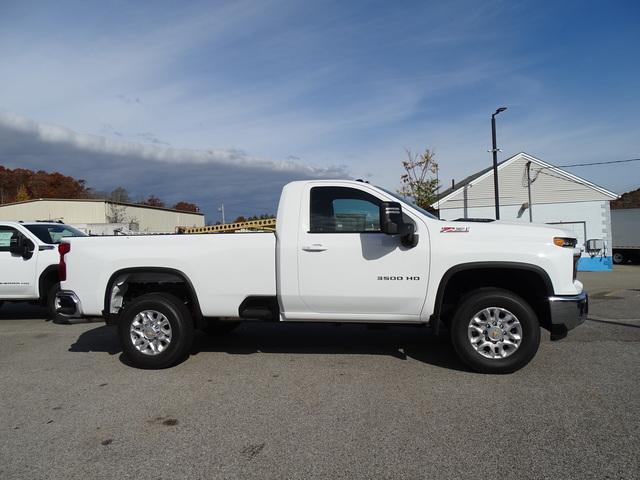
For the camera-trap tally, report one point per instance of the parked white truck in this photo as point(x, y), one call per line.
point(625, 225)
point(343, 251)
point(29, 261)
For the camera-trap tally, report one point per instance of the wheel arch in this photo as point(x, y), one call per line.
point(48, 278)
point(149, 275)
point(453, 283)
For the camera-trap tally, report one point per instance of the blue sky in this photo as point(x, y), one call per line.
point(227, 101)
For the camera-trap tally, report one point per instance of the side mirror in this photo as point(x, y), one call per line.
point(21, 246)
point(390, 218)
point(594, 246)
point(392, 223)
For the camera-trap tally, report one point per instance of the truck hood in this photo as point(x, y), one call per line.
point(504, 229)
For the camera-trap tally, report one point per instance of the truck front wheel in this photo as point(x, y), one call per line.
point(156, 331)
point(495, 331)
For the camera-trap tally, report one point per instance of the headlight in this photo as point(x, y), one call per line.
point(565, 242)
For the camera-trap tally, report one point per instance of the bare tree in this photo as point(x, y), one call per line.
point(120, 194)
point(117, 213)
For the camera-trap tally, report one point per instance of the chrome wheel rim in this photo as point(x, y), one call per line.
point(150, 332)
point(495, 333)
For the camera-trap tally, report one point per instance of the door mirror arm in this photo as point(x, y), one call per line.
point(409, 239)
point(29, 247)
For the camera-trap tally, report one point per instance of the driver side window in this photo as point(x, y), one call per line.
point(6, 234)
point(343, 210)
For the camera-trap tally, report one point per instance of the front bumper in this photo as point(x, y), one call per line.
point(68, 304)
point(567, 312)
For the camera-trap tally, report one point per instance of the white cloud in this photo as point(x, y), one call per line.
point(94, 144)
point(246, 184)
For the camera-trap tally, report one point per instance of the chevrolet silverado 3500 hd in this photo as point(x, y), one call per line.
point(343, 251)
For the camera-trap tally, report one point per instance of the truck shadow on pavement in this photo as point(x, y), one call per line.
point(400, 342)
point(100, 339)
point(21, 311)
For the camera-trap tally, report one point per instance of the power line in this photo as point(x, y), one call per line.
point(560, 178)
point(597, 163)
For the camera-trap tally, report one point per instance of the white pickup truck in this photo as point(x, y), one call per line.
point(29, 261)
point(343, 251)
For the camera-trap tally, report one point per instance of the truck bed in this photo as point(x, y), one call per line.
point(223, 268)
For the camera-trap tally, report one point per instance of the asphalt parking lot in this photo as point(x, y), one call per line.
point(308, 401)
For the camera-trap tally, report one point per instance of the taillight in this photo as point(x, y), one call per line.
point(63, 249)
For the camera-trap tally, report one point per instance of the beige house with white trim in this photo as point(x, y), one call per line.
point(557, 197)
point(99, 216)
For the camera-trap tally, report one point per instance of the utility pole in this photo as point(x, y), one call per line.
point(438, 188)
point(221, 209)
point(529, 189)
point(494, 151)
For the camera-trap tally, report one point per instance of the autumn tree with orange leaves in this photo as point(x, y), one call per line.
point(23, 184)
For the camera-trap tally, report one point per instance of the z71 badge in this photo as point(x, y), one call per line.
point(454, 229)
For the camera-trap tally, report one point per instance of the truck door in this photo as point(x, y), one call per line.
point(17, 274)
point(348, 268)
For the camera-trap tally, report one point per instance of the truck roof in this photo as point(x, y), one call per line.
point(31, 222)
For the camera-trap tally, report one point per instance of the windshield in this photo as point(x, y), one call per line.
point(408, 202)
point(53, 233)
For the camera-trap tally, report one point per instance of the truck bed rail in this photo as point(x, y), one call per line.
point(265, 224)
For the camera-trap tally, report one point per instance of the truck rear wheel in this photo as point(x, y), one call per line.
point(618, 258)
point(495, 331)
point(156, 331)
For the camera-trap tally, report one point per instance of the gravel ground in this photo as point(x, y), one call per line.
point(309, 401)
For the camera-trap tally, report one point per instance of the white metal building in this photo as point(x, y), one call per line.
point(557, 197)
point(100, 217)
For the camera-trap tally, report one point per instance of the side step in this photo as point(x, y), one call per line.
point(264, 308)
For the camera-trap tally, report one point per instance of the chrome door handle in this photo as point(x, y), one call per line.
point(316, 247)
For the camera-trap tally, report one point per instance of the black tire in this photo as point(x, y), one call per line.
point(182, 331)
point(217, 328)
point(495, 297)
point(51, 305)
point(618, 258)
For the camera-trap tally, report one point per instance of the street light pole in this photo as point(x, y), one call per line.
point(494, 150)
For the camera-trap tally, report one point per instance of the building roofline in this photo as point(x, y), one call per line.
point(482, 174)
point(100, 200)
